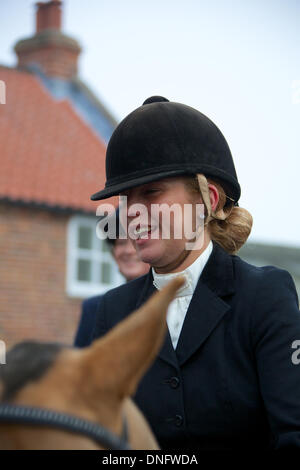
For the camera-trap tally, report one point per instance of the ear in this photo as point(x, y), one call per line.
point(214, 196)
point(118, 361)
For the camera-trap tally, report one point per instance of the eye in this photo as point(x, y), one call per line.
point(151, 191)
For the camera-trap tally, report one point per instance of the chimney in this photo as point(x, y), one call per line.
point(48, 16)
point(53, 52)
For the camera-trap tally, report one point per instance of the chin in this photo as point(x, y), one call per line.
point(153, 254)
point(150, 259)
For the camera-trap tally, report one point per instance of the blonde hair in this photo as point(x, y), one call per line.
point(228, 225)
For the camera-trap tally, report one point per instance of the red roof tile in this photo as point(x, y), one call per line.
point(48, 154)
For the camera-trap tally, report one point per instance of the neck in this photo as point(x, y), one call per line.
point(184, 260)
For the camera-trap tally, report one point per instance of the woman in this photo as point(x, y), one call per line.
point(224, 378)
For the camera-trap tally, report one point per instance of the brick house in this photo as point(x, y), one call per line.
point(53, 139)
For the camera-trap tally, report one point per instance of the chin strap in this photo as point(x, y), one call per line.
point(204, 191)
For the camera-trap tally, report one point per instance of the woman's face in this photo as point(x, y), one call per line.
point(160, 251)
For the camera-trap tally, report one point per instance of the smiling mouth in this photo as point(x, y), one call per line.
point(139, 231)
point(144, 231)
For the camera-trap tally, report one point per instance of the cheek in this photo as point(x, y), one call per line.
point(117, 255)
point(172, 246)
point(174, 228)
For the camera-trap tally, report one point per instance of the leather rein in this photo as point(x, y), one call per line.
point(10, 413)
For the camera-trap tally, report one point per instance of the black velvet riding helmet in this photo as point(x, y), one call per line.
point(162, 139)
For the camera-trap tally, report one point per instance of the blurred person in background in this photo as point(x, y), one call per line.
point(130, 266)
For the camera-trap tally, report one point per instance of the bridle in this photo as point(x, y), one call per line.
point(10, 413)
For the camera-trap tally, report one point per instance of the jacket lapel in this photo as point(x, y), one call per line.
point(207, 307)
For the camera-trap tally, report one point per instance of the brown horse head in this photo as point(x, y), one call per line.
point(94, 383)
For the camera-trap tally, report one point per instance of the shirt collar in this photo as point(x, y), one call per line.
point(191, 273)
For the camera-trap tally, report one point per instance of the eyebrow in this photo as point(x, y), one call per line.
point(145, 186)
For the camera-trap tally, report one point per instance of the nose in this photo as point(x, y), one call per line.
point(137, 207)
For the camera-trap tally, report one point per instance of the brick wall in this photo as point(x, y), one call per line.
point(55, 62)
point(33, 302)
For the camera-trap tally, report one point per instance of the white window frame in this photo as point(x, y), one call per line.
point(74, 287)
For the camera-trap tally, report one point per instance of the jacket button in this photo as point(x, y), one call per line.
point(178, 420)
point(174, 382)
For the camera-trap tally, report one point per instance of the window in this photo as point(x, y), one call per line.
point(91, 269)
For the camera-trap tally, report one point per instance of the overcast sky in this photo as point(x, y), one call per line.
point(237, 61)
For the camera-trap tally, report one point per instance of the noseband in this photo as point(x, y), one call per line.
point(30, 415)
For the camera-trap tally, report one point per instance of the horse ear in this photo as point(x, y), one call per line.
point(118, 361)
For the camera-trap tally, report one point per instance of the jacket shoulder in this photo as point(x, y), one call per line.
point(127, 289)
point(91, 303)
point(267, 280)
point(116, 304)
point(119, 302)
point(257, 272)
